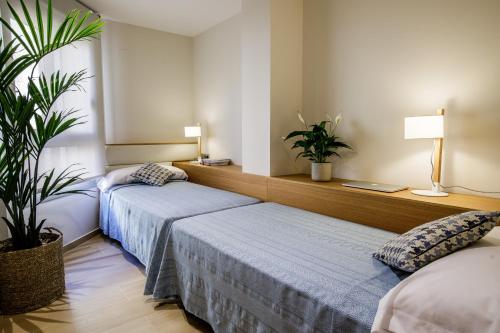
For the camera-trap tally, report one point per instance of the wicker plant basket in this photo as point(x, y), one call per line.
point(33, 278)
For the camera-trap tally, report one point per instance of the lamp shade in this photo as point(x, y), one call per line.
point(428, 127)
point(192, 131)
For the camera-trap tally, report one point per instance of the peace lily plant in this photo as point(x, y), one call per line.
point(32, 273)
point(318, 143)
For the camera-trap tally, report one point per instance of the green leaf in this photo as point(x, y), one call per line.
point(46, 92)
point(294, 134)
point(54, 185)
point(38, 42)
point(49, 21)
point(31, 26)
point(25, 39)
point(39, 20)
point(318, 143)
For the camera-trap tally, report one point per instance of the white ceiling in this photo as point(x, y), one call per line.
point(184, 17)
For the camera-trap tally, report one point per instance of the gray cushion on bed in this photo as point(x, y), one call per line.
point(152, 174)
point(269, 267)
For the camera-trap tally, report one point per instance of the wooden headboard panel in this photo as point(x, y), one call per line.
point(136, 153)
point(229, 178)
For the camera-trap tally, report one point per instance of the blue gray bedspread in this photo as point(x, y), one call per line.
point(140, 217)
point(268, 267)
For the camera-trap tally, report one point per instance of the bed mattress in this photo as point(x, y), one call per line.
point(269, 267)
point(140, 216)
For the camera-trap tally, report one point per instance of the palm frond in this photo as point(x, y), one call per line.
point(11, 67)
point(50, 127)
point(45, 91)
point(38, 39)
point(55, 184)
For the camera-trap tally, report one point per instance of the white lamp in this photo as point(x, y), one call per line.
point(194, 132)
point(429, 127)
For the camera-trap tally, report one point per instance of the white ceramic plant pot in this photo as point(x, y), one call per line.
point(321, 172)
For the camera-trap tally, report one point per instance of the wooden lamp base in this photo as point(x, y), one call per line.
point(436, 170)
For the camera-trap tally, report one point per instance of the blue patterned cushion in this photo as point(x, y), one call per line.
point(152, 174)
point(431, 241)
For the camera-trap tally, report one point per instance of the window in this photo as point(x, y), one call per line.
point(84, 144)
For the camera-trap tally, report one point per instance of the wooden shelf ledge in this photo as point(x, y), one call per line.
point(468, 202)
point(397, 212)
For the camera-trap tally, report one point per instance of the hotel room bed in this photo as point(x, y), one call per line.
point(140, 216)
point(269, 267)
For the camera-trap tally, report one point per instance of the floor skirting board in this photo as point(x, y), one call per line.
point(83, 239)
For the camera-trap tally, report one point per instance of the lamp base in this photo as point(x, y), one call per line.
point(199, 160)
point(429, 193)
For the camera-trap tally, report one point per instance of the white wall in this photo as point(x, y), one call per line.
point(75, 215)
point(379, 61)
point(217, 82)
point(256, 86)
point(148, 84)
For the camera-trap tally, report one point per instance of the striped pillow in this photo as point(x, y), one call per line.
point(431, 241)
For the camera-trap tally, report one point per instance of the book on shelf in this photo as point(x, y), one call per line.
point(215, 162)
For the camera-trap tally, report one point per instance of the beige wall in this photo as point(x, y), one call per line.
point(271, 83)
point(148, 84)
point(256, 85)
point(286, 82)
point(380, 61)
point(217, 82)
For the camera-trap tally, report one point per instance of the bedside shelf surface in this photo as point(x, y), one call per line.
point(469, 202)
point(397, 212)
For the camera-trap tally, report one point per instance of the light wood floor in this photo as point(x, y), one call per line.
point(104, 293)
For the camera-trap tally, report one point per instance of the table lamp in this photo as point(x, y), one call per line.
point(194, 132)
point(429, 127)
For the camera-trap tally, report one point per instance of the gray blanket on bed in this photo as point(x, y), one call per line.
point(268, 267)
point(140, 217)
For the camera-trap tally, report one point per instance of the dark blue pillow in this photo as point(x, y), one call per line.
point(431, 241)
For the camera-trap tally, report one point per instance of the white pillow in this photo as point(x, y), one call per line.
point(179, 174)
point(116, 177)
point(122, 176)
point(457, 293)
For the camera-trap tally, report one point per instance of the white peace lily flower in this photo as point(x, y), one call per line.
point(338, 119)
point(328, 117)
point(299, 115)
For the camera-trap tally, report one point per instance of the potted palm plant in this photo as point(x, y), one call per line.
point(318, 143)
point(32, 272)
